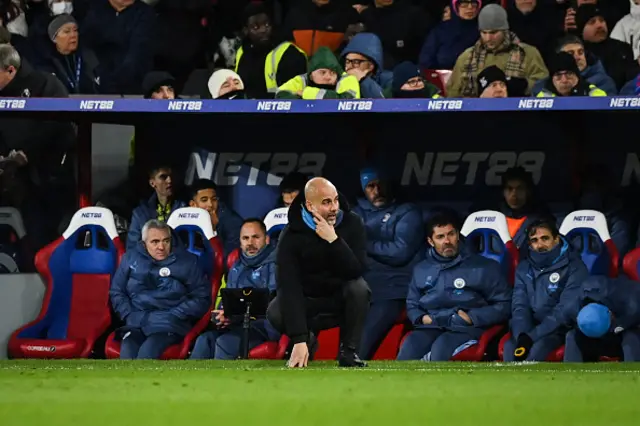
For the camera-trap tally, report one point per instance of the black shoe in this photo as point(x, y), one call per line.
point(349, 358)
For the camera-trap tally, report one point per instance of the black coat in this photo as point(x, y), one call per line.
point(308, 266)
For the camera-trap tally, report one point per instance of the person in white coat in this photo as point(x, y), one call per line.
point(628, 28)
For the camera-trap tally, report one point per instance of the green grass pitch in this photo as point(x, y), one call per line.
point(210, 393)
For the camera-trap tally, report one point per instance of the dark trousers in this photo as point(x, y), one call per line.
point(579, 348)
point(136, 345)
point(381, 319)
point(347, 310)
point(440, 343)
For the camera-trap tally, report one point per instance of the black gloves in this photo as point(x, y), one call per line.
point(523, 346)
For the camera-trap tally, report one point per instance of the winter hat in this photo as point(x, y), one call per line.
point(568, 39)
point(563, 62)
point(402, 73)
point(155, 80)
point(488, 76)
point(368, 175)
point(325, 59)
point(218, 78)
point(493, 18)
point(254, 9)
point(57, 23)
point(584, 14)
point(594, 320)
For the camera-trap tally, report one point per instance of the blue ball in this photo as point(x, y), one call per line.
point(594, 320)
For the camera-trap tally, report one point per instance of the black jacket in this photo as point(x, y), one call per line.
point(308, 266)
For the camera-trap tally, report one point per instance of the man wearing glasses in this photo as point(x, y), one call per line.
point(225, 222)
point(363, 59)
point(409, 83)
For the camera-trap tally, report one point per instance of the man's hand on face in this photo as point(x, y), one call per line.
point(323, 229)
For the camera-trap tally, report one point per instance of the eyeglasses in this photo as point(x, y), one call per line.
point(355, 62)
point(415, 82)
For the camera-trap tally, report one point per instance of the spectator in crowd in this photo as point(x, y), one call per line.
point(631, 87)
point(325, 79)
point(254, 269)
point(48, 178)
point(291, 185)
point(454, 296)
point(565, 79)
point(262, 62)
point(451, 37)
point(598, 192)
point(13, 18)
point(617, 56)
point(159, 292)
point(628, 29)
point(612, 10)
point(179, 39)
point(497, 46)
point(355, 26)
point(312, 24)
point(493, 83)
point(409, 83)
point(591, 69)
point(607, 321)
point(39, 16)
point(159, 206)
point(225, 222)
point(74, 66)
point(226, 84)
point(159, 85)
point(319, 266)
point(401, 26)
point(119, 32)
point(547, 285)
point(363, 59)
point(394, 246)
point(535, 23)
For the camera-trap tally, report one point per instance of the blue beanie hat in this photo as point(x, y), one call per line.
point(367, 175)
point(402, 73)
point(594, 320)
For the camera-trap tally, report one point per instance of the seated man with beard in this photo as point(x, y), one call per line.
point(409, 83)
point(566, 79)
point(325, 80)
point(547, 283)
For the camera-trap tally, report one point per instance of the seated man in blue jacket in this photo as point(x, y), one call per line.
point(256, 269)
point(608, 321)
point(395, 244)
point(158, 206)
point(226, 223)
point(159, 292)
point(454, 296)
point(547, 284)
point(363, 58)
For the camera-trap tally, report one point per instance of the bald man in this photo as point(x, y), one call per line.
point(319, 265)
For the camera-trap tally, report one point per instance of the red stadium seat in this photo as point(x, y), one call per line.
point(438, 78)
point(390, 346)
point(76, 270)
point(587, 231)
point(268, 350)
point(193, 225)
point(631, 264)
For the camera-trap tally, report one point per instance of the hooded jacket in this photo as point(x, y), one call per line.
point(369, 45)
point(347, 86)
point(167, 296)
point(468, 282)
point(394, 246)
point(594, 73)
point(545, 290)
point(310, 267)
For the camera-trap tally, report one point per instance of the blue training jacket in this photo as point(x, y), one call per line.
point(146, 211)
point(255, 272)
point(167, 296)
point(395, 244)
point(620, 295)
point(469, 282)
point(543, 298)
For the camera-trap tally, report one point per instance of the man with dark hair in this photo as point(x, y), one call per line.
point(262, 62)
point(292, 184)
point(547, 284)
point(454, 296)
point(320, 262)
point(159, 206)
point(225, 222)
point(255, 268)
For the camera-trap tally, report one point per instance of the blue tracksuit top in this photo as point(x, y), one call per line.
point(395, 244)
point(543, 297)
point(469, 282)
point(167, 296)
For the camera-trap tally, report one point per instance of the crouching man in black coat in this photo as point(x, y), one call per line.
point(319, 265)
